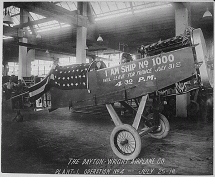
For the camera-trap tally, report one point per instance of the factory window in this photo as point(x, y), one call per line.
point(40, 67)
point(13, 68)
point(110, 59)
point(69, 61)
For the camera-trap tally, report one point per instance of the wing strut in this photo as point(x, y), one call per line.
point(139, 112)
point(113, 115)
point(137, 118)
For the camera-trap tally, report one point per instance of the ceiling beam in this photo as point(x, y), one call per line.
point(51, 48)
point(90, 13)
point(44, 20)
point(49, 9)
point(178, 5)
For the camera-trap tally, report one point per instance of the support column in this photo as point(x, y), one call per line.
point(182, 21)
point(81, 36)
point(81, 45)
point(24, 62)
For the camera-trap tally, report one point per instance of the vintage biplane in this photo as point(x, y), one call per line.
point(165, 63)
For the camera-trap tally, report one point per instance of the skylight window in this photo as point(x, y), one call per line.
point(128, 8)
point(51, 26)
point(36, 16)
point(152, 8)
point(112, 6)
point(16, 20)
point(112, 15)
point(68, 5)
point(48, 26)
point(110, 9)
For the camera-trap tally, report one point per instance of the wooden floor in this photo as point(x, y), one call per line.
point(78, 143)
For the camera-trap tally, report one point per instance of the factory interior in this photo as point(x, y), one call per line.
point(107, 87)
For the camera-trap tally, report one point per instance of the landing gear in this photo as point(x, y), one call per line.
point(162, 129)
point(125, 139)
point(125, 142)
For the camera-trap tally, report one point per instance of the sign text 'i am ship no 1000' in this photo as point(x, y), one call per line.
point(144, 70)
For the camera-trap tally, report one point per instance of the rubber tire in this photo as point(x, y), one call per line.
point(164, 127)
point(136, 136)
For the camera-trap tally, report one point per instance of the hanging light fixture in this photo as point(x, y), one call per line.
point(7, 18)
point(207, 13)
point(99, 38)
point(38, 36)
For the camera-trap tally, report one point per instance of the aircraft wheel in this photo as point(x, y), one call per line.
point(163, 128)
point(125, 142)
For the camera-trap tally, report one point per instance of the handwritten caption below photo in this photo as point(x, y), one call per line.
point(139, 166)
